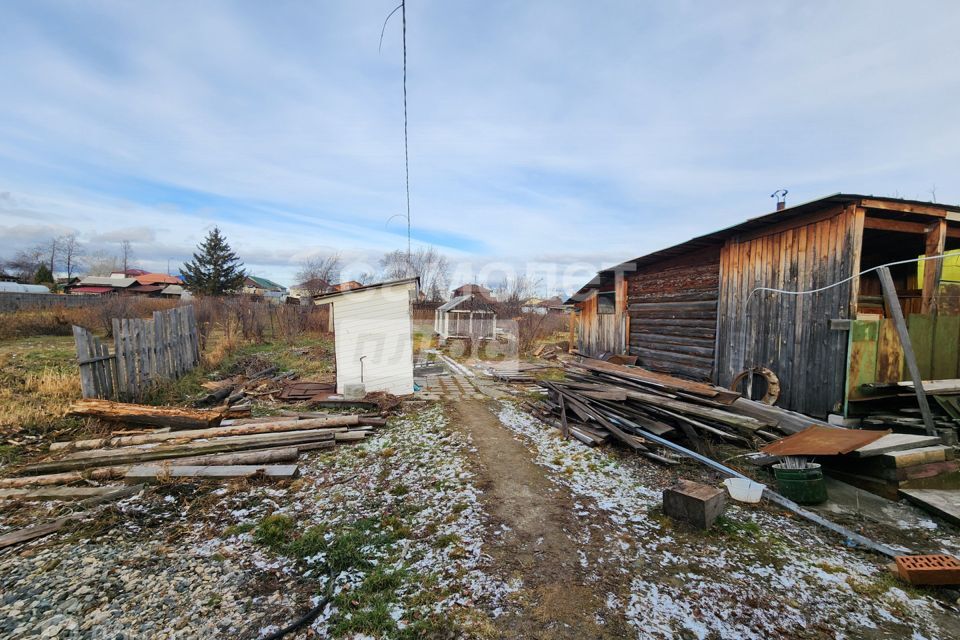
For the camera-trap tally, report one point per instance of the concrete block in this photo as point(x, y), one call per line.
point(948, 437)
point(694, 503)
point(354, 391)
point(839, 421)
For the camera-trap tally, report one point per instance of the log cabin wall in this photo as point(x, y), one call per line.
point(791, 335)
point(599, 333)
point(672, 306)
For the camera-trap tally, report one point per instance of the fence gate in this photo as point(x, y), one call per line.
point(144, 352)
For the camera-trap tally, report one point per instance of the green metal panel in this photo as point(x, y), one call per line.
point(920, 328)
point(944, 353)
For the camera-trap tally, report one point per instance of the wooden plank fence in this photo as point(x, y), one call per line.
point(144, 353)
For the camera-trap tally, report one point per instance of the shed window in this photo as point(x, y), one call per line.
point(607, 302)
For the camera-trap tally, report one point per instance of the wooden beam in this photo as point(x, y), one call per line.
point(856, 253)
point(933, 269)
point(905, 226)
point(890, 295)
point(905, 207)
point(899, 226)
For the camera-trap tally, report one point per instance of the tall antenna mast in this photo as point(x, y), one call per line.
point(406, 146)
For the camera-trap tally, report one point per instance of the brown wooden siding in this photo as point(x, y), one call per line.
point(600, 333)
point(672, 309)
point(791, 335)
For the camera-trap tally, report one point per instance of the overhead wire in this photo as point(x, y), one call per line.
point(402, 8)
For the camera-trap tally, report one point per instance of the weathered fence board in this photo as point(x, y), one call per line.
point(144, 352)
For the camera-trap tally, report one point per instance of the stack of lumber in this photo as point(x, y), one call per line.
point(897, 462)
point(598, 401)
point(894, 404)
point(244, 448)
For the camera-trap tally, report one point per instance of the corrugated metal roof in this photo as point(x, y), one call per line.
point(264, 283)
point(97, 281)
point(751, 224)
point(157, 278)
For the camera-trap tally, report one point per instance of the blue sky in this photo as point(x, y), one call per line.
point(556, 137)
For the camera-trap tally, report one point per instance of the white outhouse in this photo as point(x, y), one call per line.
point(373, 333)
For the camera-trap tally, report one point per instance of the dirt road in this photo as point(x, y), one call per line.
point(562, 596)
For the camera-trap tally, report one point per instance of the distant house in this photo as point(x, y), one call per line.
point(310, 288)
point(99, 285)
point(128, 273)
point(543, 306)
point(157, 278)
point(268, 289)
point(475, 290)
point(347, 286)
point(373, 335)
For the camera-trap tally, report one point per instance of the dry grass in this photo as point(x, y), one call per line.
point(97, 317)
point(38, 379)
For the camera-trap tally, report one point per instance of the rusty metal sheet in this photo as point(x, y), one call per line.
point(307, 391)
point(817, 440)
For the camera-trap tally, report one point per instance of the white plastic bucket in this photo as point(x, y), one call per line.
point(744, 489)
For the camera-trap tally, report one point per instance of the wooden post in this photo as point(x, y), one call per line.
point(933, 269)
point(563, 418)
point(893, 304)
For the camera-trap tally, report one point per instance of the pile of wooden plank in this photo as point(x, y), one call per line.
point(897, 462)
point(242, 448)
point(895, 404)
point(600, 400)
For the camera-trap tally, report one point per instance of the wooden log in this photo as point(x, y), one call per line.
point(130, 455)
point(213, 432)
point(173, 417)
point(54, 493)
point(262, 456)
point(69, 477)
point(154, 473)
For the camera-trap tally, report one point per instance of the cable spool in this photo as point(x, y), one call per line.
point(773, 383)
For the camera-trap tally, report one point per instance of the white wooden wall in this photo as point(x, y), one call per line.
point(378, 324)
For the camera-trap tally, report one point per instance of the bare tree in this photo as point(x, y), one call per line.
point(101, 263)
point(24, 264)
point(126, 253)
point(367, 277)
point(51, 249)
point(318, 274)
point(72, 252)
point(513, 292)
point(426, 263)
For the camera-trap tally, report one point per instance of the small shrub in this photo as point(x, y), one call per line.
point(274, 531)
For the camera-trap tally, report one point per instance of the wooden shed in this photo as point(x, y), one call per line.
point(373, 333)
point(693, 309)
point(466, 317)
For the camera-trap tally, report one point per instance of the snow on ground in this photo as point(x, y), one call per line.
point(415, 477)
point(756, 575)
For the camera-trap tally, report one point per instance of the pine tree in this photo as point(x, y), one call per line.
point(215, 270)
point(43, 275)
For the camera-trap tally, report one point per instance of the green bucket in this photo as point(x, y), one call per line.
point(803, 486)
